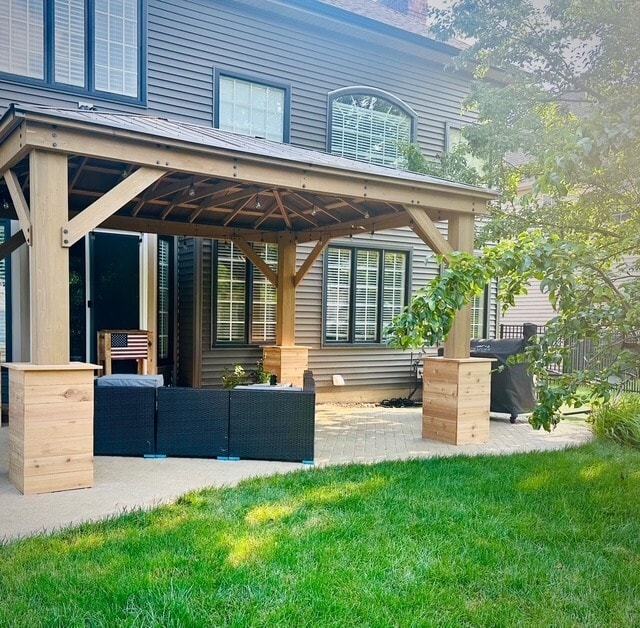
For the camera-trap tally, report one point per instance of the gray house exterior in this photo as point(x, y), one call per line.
point(304, 58)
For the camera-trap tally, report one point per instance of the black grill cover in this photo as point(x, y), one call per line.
point(511, 388)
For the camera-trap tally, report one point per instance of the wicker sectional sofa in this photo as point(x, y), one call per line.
point(261, 424)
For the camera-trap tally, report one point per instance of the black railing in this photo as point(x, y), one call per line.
point(583, 354)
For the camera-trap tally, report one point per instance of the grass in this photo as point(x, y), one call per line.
point(528, 540)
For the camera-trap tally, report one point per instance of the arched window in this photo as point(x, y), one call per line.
point(370, 125)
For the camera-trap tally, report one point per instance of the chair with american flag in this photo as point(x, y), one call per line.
point(123, 344)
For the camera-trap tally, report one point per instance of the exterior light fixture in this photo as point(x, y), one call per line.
point(5, 204)
point(192, 190)
point(314, 209)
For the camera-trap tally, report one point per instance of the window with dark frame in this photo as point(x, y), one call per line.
point(85, 46)
point(252, 107)
point(365, 289)
point(244, 301)
point(370, 125)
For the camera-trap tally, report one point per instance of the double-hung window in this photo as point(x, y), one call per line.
point(370, 125)
point(88, 46)
point(244, 301)
point(365, 288)
point(254, 108)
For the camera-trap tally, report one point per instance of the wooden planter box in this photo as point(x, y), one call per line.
point(455, 400)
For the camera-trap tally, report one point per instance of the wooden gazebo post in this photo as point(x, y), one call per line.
point(51, 402)
point(286, 360)
point(457, 388)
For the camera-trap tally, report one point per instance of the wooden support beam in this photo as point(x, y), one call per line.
point(14, 243)
point(256, 260)
point(461, 238)
point(286, 306)
point(108, 204)
point(178, 228)
point(20, 204)
point(49, 261)
point(424, 227)
point(365, 225)
point(253, 169)
point(13, 149)
point(282, 208)
point(308, 263)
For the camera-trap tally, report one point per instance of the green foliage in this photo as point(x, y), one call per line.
point(557, 94)
point(588, 309)
point(239, 376)
point(452, 166)
point(619, 420)
point(543, 539)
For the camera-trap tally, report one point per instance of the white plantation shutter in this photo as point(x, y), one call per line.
point(338, 294)
point(478, 317)
point(357, 282)
point(69, 42)
point(231, 294)
point(163, 298)
point(365, 134)
point(265, 297)
point(22, 37)
point(366, 301)
point(116, 46)
point(394, 286)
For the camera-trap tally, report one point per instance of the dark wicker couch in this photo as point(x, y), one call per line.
point(204, 423)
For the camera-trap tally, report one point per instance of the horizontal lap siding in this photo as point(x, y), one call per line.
point(188, 40)
point(375, 367)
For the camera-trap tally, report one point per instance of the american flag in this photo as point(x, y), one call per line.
point(129, 346)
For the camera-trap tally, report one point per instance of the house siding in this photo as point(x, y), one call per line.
point(188, 40)
point(315, 53)
point(371, 370)
point(533, 307)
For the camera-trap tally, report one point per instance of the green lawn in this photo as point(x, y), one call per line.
point(549, 539)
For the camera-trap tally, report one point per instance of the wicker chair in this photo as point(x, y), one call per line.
point(193, 422)
point(124, 421)
point(272, 425)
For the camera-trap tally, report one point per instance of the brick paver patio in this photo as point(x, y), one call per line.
point(344, 434)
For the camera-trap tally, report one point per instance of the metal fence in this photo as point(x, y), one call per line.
point(583, 353)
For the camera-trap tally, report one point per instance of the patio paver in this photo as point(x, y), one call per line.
point(344, 434)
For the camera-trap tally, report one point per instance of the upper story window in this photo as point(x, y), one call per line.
point(252, 108)
point(456, 142)
point(370, 125)
point(365, 289)
point(78, 45)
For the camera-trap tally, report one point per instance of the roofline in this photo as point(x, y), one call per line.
point(18, 113)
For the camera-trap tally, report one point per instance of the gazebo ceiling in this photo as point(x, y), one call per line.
point(218, 184)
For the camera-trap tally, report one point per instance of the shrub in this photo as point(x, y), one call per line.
point(619, 420)
point(231, 379)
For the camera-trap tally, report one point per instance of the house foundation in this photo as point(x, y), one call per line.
point(50, 426)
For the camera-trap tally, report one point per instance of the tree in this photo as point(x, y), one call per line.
point(559, 87)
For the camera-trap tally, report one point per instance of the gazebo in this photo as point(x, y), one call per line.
point(69, 172)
